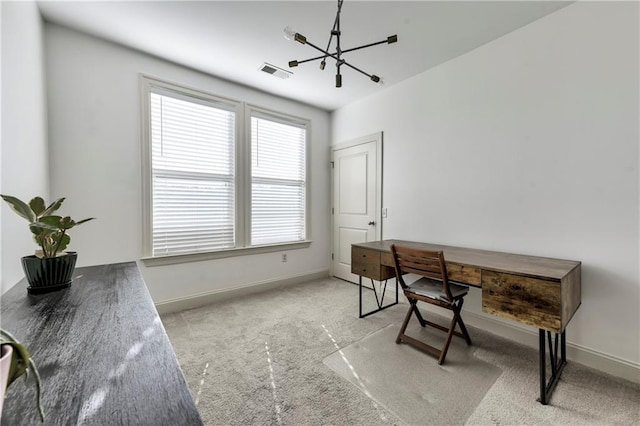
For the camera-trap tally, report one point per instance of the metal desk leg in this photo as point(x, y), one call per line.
point(557, 365)
point(360, 299)
point(379, 300)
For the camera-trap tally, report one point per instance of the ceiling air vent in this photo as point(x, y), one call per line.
point(275, 71)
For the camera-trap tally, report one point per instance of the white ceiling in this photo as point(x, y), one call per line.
point(231, 39)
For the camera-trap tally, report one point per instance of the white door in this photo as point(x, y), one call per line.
point(357, 199)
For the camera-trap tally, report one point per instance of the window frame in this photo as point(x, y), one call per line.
point(243, 112)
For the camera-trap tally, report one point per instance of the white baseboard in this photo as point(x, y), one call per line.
point(203, 299)
point(591, 358)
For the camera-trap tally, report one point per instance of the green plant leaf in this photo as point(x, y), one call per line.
point(40, 227)
point(19, 358)
point(84, 220)
point(37, 205)
point(32, 366)
point(67, 223)
point(20, 207)
point(63, 243)
point(47, 241)
point(21, 364)
point(19, 361)
point(53, 207)
point(47, 234)
point(53, 222)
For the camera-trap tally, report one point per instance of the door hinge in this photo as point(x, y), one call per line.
point(332, 210)
point(331, 256)
point(332, 164)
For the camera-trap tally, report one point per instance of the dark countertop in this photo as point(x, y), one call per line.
point(102, 352)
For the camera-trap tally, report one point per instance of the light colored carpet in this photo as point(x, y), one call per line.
point(259, 360)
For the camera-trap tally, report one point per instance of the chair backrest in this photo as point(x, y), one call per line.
point(425, 263)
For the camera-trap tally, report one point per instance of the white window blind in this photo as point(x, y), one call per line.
point(193, 174)
point(278, 180)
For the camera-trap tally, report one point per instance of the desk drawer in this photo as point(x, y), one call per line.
point(367, 264)
point(387, 260)
point(465, 274)
point(527, 300)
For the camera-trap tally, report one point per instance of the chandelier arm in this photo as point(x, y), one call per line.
point(363, 46)
point(344, 51)
point(312, 59)
point(333, 55)
point(337, 32)
point(356, 68)
point(325, 55)
point(328, 44)
point(335, 23)
point(337, 58)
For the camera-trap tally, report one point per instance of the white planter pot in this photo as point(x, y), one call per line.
point(5, 364)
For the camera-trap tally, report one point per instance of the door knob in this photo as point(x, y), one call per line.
point(372, 223)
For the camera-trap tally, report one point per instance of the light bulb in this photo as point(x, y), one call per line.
point(289, 33)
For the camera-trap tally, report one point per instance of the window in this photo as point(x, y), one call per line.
point(278, 190)
point(193, 167)
point(212, 189)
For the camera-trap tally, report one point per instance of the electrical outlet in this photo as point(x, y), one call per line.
point(284, 257)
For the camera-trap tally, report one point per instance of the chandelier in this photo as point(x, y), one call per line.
point(290, 34)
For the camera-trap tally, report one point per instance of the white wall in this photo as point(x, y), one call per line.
point(94, 116)
point(528, 144)
point(24, 166)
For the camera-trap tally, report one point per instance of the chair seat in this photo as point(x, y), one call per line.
point(433, 289)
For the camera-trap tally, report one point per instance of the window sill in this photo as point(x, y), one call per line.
point(221, 254)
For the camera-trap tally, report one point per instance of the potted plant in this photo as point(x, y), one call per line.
point(51, 268)
point(15, 361)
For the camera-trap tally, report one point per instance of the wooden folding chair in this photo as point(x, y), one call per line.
point(434, 288)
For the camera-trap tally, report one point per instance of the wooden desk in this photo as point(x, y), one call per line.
point(541, 292)
point(102, 352)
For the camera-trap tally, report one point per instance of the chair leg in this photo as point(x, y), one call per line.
point(443, 352)
point(423, 323)
point(456, 320)
point(406, 321)
point(456, 312)
point(465, 333)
